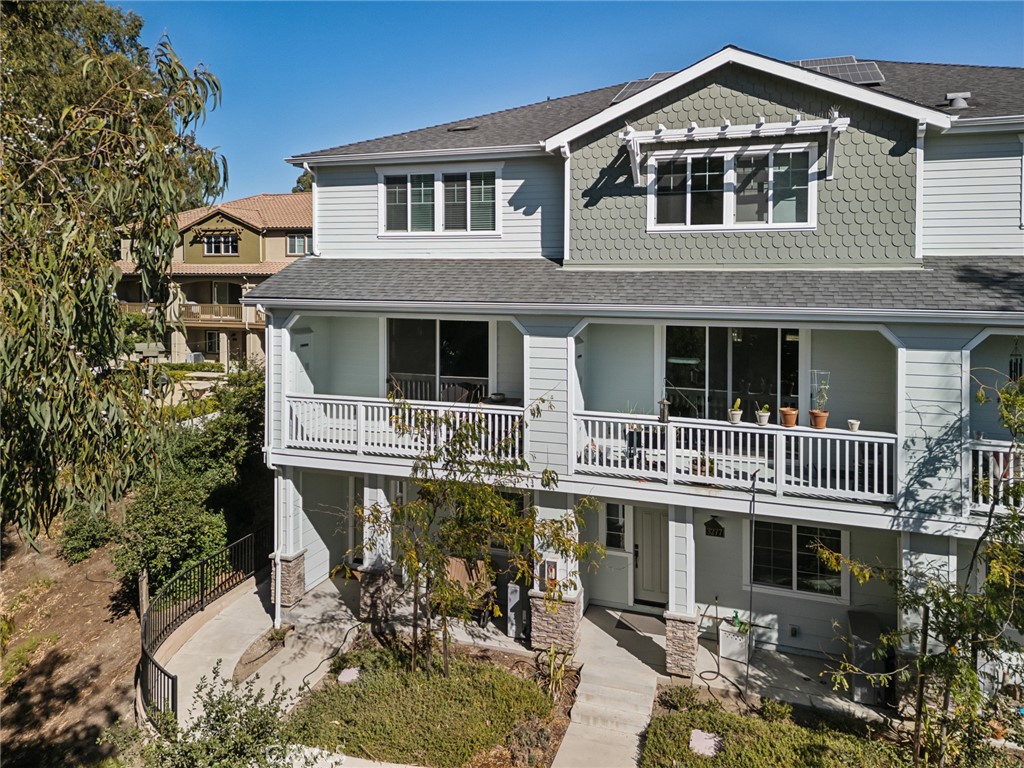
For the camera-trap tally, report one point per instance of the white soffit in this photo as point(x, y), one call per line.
point(731, 55)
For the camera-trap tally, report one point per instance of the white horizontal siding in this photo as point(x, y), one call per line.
point(531, 215)
point(972, 195)
point(933, 431)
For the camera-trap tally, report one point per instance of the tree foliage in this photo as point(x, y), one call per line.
point(969, 671)
point(304, 183)
point(99, 145)
point(469, 502)
point(205, 493)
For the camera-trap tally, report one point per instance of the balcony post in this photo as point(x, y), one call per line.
point(781, 465)
point(360, 427)
point(671, 432)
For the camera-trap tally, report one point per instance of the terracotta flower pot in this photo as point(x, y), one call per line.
point(818, 418)
point(788, 416)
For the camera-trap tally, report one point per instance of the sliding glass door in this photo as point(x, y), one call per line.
point(438, 360)
point(708, 368)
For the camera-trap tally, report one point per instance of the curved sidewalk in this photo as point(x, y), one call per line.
point(236, 621)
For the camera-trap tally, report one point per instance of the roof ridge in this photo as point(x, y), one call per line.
point(472, 117)
point(945, 64)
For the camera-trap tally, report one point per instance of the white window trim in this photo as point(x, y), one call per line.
point(221, 238)
point(307, 247)
point(602, 526)
point(844, 577)
point(729, 212)
point(438, 172)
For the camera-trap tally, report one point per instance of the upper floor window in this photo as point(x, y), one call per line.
point(732, 189)
point(220, 245)
point(300, 245)
point(440, 203)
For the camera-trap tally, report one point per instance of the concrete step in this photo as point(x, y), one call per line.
point(623, 680)
point(619, 701)
point(610, 719)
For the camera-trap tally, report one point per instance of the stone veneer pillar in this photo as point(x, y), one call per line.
point(680, 644)
point(555, 624)
point(293, 578)
point(376, 590)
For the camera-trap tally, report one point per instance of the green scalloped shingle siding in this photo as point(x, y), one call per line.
point(865, 214)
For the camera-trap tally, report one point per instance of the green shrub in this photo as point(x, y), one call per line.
point(392, 715)
point(776, 711)
point(168, 528)
point(679, 697)
point(84, 532)
point(750, 741)
point(232, 725)
point(191, 409)
point(17, 660)
point(180, 371)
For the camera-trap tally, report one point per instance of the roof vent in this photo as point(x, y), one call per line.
point(958, 100)
point(460, 128)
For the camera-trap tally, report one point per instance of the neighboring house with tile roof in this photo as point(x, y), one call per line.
point(224, 251)
point(643, 257)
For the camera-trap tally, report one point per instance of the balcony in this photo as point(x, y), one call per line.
point(994, 462)
point(368, 426)
point(797, 461)
point(207, 314)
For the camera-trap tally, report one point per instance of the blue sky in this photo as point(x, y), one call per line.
point(301, 76)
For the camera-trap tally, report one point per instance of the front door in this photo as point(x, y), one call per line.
point(650, 555)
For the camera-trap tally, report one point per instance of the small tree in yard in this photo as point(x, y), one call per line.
point(469, 474)
point(968, 624)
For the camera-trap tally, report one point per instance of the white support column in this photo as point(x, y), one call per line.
point(224, 344)
point(681, 576)
point(377, 538)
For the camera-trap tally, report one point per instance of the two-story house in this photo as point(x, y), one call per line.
point(742, 234)
point(223, 252)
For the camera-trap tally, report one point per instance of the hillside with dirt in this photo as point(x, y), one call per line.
point(69, 668)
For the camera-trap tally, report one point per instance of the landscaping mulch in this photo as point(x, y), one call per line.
point(260, 652)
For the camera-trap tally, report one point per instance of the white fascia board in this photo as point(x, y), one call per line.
point(470, 153)
point(838, 314)
point(769, 66)
point(986, 124)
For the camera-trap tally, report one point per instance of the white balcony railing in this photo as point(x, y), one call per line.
point(370, 426)
point(795, 461)
point(995, 463)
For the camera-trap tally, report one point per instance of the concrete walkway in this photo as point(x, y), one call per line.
point(622, 662)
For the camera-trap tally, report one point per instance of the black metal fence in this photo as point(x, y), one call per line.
point(185, 595)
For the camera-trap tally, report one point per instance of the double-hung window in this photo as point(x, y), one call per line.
point(300, 245)
point(220, 245)
point(748, 188)
point(443, 202)
point(785, 557)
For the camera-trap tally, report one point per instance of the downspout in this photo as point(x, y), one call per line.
point(315, 246)
point(566, 201)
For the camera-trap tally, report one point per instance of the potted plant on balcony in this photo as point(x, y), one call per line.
point(762, 413)
point(735, 413)
point(702, 465)
point(818, 414)
point(788, 415)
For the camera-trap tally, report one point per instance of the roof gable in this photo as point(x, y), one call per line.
point(781, 69)
point(260, 212)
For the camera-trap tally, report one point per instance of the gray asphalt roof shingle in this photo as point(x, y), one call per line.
point(994, 91)
point(945, 283)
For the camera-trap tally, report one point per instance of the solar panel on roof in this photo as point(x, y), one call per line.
point(810, 63)
point(861, 73)
point(634, 87)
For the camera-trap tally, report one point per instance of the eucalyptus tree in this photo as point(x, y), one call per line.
point(99, 146)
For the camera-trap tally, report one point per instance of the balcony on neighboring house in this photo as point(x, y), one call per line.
point(216, 303)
